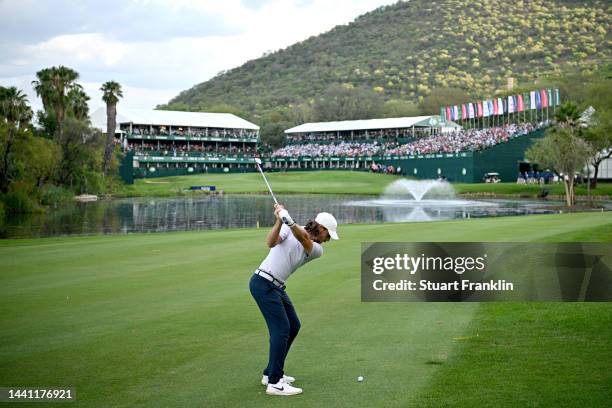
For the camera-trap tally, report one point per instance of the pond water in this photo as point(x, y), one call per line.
point(247, 211)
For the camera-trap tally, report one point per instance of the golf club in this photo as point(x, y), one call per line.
point(258, 163)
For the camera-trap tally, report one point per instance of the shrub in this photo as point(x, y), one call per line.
point(21, 198)
point(2, 211)
point(54, 195)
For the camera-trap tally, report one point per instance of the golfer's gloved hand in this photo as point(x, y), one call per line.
point(285, 217)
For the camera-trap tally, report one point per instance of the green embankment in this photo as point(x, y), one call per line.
point(167, 320)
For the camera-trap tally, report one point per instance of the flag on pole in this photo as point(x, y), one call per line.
point(510, 104)
point(448, 113)
point(500, 106)
point(515, 97)
point(495, 108)
point(490, 104)
point(455, 112)
point(557, 97)
point(532, 99)
point(551, 101)
point(463, 111)
point(527, 103)
point(521, 103)
point(538, 99)
point(471, 110)
point(544, 98)
point(480, 109)
point(485, 109)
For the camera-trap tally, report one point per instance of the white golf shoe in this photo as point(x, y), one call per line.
point(282, 388)
point(286, 378)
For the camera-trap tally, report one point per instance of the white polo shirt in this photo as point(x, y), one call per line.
point(288, 255)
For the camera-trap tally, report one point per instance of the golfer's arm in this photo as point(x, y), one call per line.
point(273, 237)
point(302, 236)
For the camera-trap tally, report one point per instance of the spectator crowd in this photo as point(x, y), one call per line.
point(342, 149)
point(454, 142)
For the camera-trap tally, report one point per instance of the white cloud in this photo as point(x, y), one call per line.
point(153, 70)
point(84, 48)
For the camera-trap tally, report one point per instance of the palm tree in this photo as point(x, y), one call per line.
point(52, 86)
point(43, 88)
point(16, 113)
point(77, 102)
point(111, 94)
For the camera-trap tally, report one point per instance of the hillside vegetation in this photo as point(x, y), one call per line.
point(405, 51)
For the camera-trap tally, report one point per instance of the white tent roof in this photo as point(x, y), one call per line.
point(387, 123)
point(172, 118)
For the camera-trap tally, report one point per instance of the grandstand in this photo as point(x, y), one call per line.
point(351, 144)
point(492, 138)
point(369, 130)
point(163, 143)
point(421, 147)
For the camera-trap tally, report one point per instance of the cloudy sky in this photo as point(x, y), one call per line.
point(154, 48)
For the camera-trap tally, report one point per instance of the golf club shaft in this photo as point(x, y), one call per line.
point(267, 184)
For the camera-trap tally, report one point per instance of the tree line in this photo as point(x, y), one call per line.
point(50, 159)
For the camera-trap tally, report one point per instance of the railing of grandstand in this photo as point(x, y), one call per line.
point(163, 153)
point(199, 138)
point(377, 139)
point(152, 156)
point(369, 158)
point(191, 159)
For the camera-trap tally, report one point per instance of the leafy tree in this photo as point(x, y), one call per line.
point(273, 126)
point(47, 122)
point(440, 97)
point(344, 103)
point(36, 159)
point(396, 108)
point(225, 108)
point(568, 115)
point(15, 114)
point(598, 131)
point(82, 158)
point(111, 94)
point(598, 135)
point(302, 113)
point(562, 149)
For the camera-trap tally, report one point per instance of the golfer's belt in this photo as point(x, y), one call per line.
point(268, 276)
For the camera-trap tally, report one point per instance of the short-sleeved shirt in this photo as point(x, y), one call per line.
point(288, 255)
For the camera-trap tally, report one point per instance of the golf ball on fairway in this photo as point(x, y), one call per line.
point(360, 378)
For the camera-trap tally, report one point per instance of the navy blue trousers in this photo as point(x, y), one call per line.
point(283, 323)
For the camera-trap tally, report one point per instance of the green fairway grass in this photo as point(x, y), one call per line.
point(320, 182)
point(529, 190)
point(325, 182)
point(166, 320)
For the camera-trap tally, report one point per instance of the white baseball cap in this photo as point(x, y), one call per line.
point(328, 221)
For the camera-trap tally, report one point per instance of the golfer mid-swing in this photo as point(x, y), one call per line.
point(291, 246)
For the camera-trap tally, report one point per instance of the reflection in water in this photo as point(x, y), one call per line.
point(246, 211)
point(424, 200)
